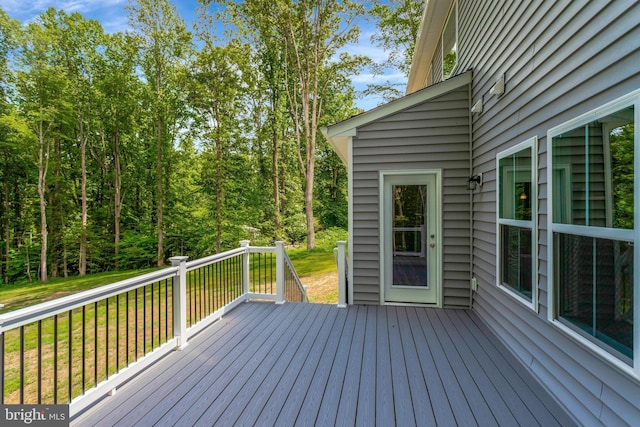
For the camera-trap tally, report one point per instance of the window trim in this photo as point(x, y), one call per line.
point(633, 236)
point(531, 143)
point(454, 5)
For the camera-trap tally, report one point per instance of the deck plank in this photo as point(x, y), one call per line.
point(267, 413)
point(366, 408)
point(323, 347)
point(304, 364)
point(515, 397)
point(421, 400)
point(348, 400)
point(453, 389)
point(474, 396)
point(222, 383)
point(261, 384)
point(402, 403)
point(385, 415)
point(331, 398)
point(440, 404)
point(542, 404)
point(133, 400)
point(308, 411)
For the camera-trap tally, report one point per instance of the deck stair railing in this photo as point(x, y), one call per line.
point(74, 350)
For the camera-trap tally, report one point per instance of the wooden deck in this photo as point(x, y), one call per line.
point(308, 364)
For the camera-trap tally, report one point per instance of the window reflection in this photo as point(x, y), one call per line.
point(596, 165)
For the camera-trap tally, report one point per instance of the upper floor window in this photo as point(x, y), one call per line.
point(516, 215)
point(592, 227)
point(450, 43)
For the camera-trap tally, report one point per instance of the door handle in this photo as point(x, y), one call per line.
point(432, 245)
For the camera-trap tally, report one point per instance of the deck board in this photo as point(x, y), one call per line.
point(306, 364)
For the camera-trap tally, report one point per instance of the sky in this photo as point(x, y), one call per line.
point(113, 17)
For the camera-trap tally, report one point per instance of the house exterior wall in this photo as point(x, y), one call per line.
point(560, 59)
point(431, 135)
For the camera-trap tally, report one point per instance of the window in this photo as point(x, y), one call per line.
point(592, 229)
point(450, 43)
point(516, 222)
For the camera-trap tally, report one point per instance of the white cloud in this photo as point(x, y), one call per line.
point(28, 10)
point(367, 78)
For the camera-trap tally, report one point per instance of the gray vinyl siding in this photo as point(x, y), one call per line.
point(560, 59)
point(431, 135)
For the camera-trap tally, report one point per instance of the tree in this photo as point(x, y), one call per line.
point(398, 23)
point(310, 33)
point(119, 89)
point(43, 89)
point(80, 42)
point(165, 46)
point(217, 98)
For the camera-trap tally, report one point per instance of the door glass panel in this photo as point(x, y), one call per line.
point(409, 235)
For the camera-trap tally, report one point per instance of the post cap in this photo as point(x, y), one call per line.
point(177, 260)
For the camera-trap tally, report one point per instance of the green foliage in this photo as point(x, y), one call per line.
point(397, 23)
point(622, 149)
point(137, 251)
point(113, 143)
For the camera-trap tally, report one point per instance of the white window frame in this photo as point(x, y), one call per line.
point(531, 143)
point(442, 52)
point(632, 236)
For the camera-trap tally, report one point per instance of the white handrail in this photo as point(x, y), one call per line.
point(179, 275)
point(24, 316)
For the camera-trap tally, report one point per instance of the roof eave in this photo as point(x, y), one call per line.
point(433, 21)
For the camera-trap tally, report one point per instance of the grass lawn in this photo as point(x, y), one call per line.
point(26, 294)
point(316, 268)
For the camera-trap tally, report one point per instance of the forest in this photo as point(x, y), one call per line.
point(119, 150)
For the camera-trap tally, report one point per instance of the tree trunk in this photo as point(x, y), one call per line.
point(117, 197)
point(160, 191)
point(276, 184)
point(43, 163)
point(82, 268)
point(7, 232)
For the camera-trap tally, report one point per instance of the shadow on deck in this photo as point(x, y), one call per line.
point(309, 364)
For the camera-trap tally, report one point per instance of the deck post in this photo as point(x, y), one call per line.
point(342, 274)
point(180, 301)
point(280, 272)
point(245, 266)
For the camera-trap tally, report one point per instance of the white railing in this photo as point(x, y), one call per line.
point(77, 348)
point(340, 253)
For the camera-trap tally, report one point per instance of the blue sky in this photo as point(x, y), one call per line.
point(113, 17)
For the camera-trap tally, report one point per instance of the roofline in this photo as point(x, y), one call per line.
point(433, 21)
point(341, 133)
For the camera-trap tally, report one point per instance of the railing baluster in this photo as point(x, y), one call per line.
point(144, 320)
point(212, 284)
point(159, 315)
point(84, 359)
point(166, 314)
point(118, 333)
point(137, 332)
point(21, 365)
point(2, 368)
point(55, 359)
point(126, 306)
point(39, 362)
point(106, 340)
point(95, 344)
point(70, 367)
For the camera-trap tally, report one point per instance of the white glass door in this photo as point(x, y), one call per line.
point(411, 235)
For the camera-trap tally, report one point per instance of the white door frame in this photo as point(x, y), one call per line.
point(437, 211)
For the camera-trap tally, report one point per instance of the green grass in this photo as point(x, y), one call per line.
point(315, 261)
point(26, 294)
